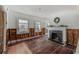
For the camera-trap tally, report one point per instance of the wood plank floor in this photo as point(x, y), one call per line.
point(38, 46)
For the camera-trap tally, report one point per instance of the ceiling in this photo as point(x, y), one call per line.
point(43, 10)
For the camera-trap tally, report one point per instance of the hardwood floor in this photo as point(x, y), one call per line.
point(38, 46)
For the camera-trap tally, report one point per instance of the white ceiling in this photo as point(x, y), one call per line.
point(43, 10)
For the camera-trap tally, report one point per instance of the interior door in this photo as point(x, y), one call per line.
point(1, 30)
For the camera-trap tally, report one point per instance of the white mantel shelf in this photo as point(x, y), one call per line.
point(66, 27)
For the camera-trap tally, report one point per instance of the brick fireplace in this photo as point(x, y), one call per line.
point(57, 34)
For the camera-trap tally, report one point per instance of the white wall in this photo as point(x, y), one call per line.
point(13, 17)
point(66, 18)
point(70, 18)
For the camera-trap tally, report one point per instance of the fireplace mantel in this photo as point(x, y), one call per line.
point(63, 29)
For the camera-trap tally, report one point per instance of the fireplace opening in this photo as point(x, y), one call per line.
point(56, 36)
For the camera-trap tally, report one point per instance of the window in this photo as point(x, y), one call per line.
point(23, 26)
point(48, 24)
point(37, 27)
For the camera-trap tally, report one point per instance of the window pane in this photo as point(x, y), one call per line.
point(37, 27)
point(23, 25)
